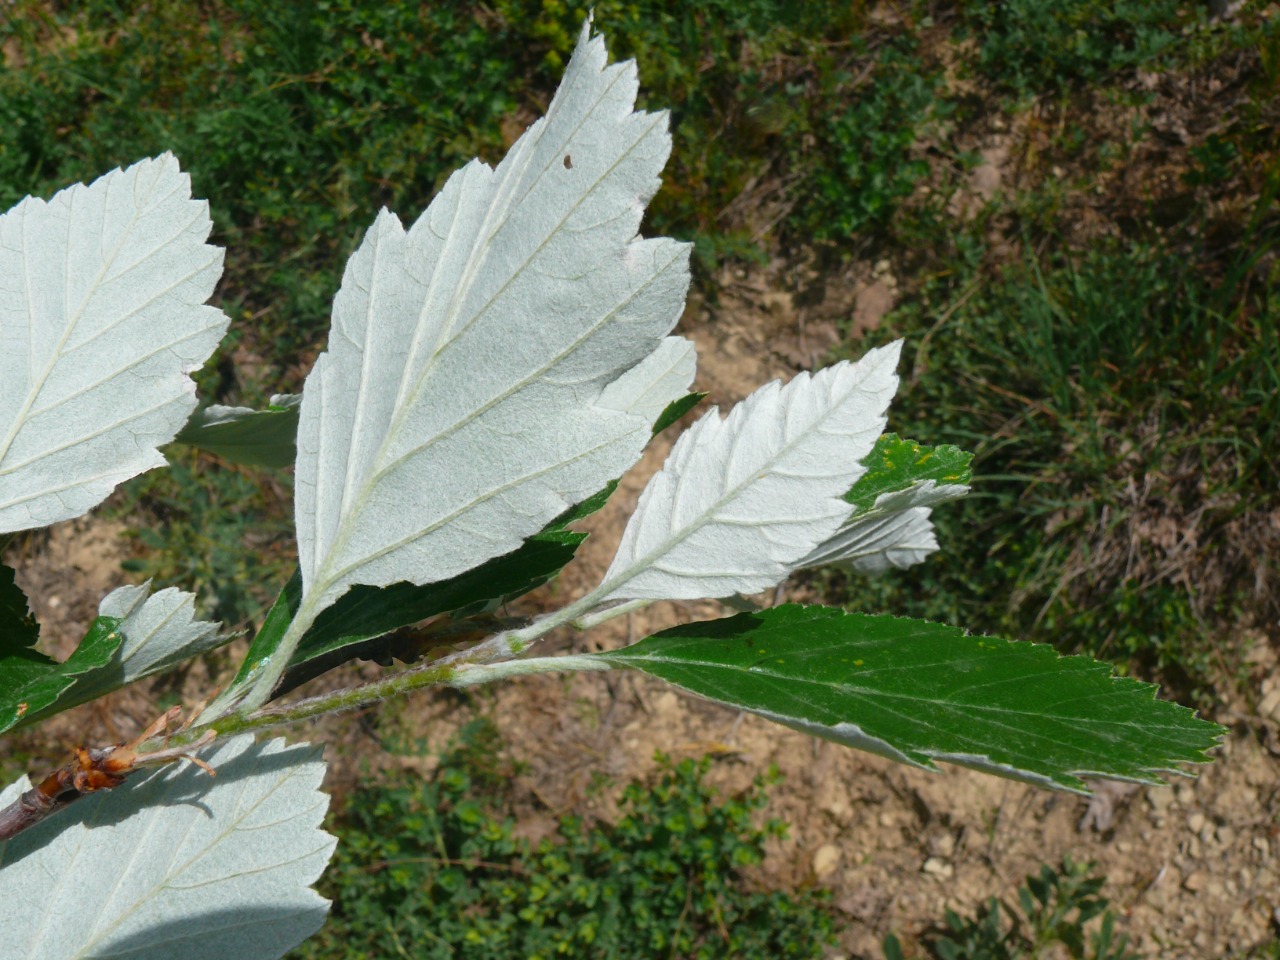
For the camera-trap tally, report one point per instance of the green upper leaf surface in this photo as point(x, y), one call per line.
point(897, 464)
point(917, 692)
point(18, 628)
point(260, 438)
point(365, 613)
point(34, 686)
point(136, 634)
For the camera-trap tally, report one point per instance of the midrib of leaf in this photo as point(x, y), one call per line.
point(143, 358)
point(38, 382)
point(487, 233)
point(346, 522)
point(890, 703)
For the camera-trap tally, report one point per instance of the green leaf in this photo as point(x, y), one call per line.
point(263, 438)
point(896, 464)
point(917, 692)
point(31, 683)
point(18, 628)
point(356, 625)
point(580, 511)
point(675, 410)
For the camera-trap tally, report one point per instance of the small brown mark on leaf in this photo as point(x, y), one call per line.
point(568, 162)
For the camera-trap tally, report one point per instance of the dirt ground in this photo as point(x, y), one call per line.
point(1191, 866)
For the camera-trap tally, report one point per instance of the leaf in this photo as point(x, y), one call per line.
point(175, 863)
point(647, 389)
point(33, 686)
point(917, 692)
point(18, 628)
point(103, 315)
point(897, 464)
point(895, 532)
point(879, 543)
point(890, 526)
point(260, 438)
point(675, 410)
point(463, 400)
point(741, 500)
point(135, 635)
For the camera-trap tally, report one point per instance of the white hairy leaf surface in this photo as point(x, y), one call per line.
point(102, 318)
point(160, 631)
point(661, 378)
point(175, 863)
point(740, 500)
point(459, 405)
point(895, 533)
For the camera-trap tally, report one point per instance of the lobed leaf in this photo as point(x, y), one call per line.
point(175, 863)
point(465, 398)
point(917, 692)
point(102, 317)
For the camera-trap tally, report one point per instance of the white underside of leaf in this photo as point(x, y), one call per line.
point(160, 631)
point(460, 405)
point(895, 533)
point(102, 318)
point(661, 378)
point(175, 863)
point(741, 500)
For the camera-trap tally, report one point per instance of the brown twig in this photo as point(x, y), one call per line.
point(94, 769)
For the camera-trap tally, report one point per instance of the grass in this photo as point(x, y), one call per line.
point(1121, 408)
point(433, 866)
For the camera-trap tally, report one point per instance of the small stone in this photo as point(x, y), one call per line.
point(1195, 881)
point(942, 845)
point(666, 704)
point(1270, 705)
point(1226, 835)
point(826, 861)
point(887, 819)
point(1160, 800)
point(937, 867)
point(1195, 822)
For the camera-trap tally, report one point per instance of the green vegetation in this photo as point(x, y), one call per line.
point(1056, 907)
point(1029, 48)
point(1122, 409)
point(433, 867)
